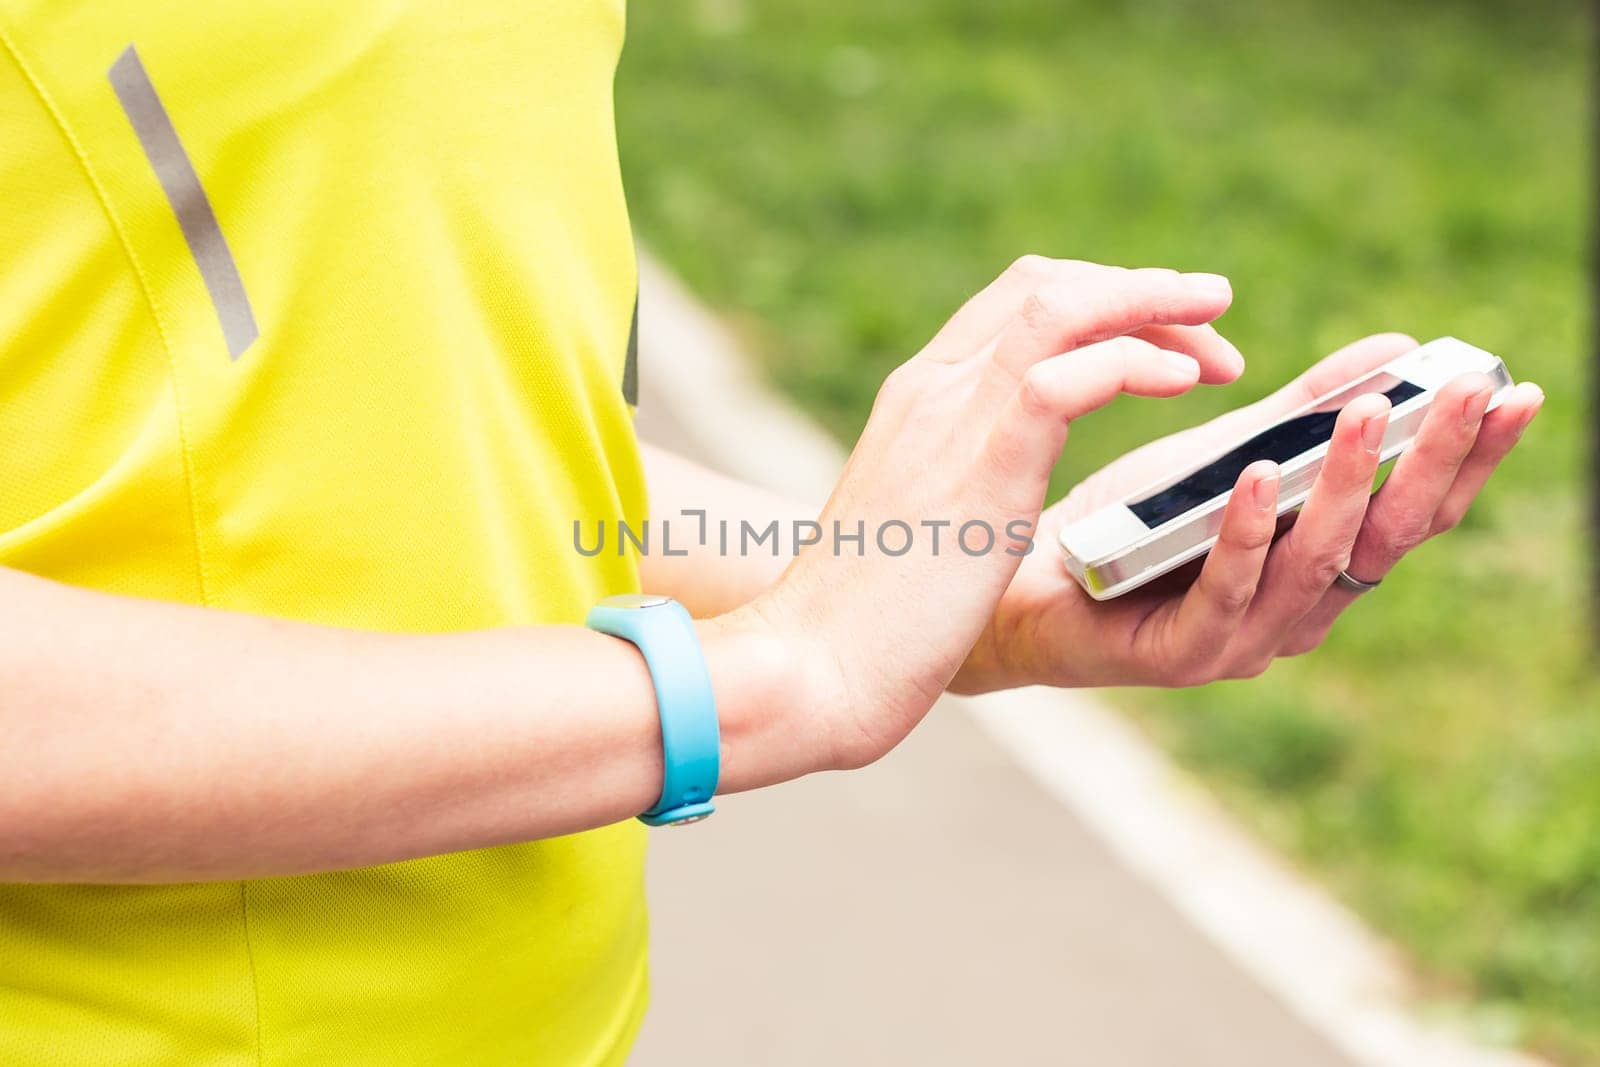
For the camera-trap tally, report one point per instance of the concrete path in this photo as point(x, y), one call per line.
point(934, 909)
point(944, 906)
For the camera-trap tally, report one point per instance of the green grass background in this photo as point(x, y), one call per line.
point(839, 176)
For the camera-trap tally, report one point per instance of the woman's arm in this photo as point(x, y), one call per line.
point(152, 742)
point(707, 580)
point(142, 741)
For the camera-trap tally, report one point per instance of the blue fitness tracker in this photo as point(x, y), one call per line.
point(690, 740)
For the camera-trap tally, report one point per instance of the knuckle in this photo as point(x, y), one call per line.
point(896, 383)
point(1253, 666)
point(1407, 535)
point(1448, 518)
point(1042, 306)
point(1229, 597)
point(1251, 539)
point(899, 387)
point(1319, 575)
point(1030, 266)
point(1232, 599)
point(1131, 351)
point(1036, 392)
point(1119, 355)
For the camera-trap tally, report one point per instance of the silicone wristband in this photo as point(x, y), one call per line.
point(691, 742)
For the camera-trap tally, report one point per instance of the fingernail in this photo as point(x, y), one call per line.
point(1475, 405)
point(1181, 363)
point(1211, 284)
point(1267, 490)
point(1372, 433)
point(1527, 419)
point(1238, 356)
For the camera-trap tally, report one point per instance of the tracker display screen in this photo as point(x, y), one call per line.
point(1280, 443)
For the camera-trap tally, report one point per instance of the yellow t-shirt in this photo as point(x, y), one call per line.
point(321, 310)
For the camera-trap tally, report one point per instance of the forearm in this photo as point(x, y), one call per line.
point(705, 578)
point(150, 742)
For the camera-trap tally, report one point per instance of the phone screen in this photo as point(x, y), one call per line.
point(1280, 443)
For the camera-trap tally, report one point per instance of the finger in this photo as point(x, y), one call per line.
point(983, 316)
point(993, 307)
point(1497, 434)
point(1058, 318)
point(1220, 361)
point(1210, 612)
point(1502, 429)
point(1339, 369)
point(1401, 515)
point(1328, 375)
point(1304, 563)
point(1027, 438)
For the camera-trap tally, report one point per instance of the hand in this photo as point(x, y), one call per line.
point(967, 432)
point(1253, 600)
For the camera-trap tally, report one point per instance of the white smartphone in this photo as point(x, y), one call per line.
point(1175, 520)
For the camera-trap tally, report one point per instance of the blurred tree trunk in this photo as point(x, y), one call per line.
point(1594, 327)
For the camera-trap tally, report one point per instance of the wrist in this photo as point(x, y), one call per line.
point(1001, 657)
point(768, 703)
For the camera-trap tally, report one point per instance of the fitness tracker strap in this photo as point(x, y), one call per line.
point(691, 742)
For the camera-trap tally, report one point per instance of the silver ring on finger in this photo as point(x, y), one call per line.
point(1351, 584)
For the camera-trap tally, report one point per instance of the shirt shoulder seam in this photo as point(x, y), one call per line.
point(202, 577)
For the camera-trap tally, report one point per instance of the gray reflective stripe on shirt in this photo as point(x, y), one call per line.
point(179, 181)
point(630, 365)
